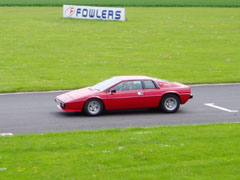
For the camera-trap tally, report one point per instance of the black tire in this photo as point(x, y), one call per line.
point(93, 107)
point(170, 103)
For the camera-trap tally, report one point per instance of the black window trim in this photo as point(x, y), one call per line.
point(156, 84)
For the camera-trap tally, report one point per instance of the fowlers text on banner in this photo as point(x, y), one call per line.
point(91, 12)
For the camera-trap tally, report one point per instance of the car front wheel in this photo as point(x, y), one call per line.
point(93, 107)
point(170, 103)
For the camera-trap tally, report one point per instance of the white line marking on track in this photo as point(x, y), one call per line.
point(6, 134)
point(218, 107)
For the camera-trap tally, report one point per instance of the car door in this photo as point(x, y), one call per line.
point(127, 95)
point(151, 94)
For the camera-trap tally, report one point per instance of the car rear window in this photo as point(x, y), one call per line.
point(149, 84)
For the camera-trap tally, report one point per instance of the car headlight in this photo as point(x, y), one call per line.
point(59, 103)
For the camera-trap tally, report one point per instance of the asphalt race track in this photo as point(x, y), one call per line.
point(37, 112)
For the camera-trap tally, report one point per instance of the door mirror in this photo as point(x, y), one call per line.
point(113, 91)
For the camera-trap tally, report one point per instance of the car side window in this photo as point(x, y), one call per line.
point(148, 84)
point(132, 85)
point(128, 86)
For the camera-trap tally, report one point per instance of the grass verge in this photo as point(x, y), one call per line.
point(40, 50)
point(175, 152)
point(142, 3)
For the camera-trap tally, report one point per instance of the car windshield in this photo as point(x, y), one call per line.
point(105, 84)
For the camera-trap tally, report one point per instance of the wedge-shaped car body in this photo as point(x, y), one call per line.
point(126, 92)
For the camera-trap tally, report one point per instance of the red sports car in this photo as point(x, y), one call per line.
point(126, 92)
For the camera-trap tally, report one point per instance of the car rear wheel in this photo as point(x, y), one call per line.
point(93, 107)
point(170, 103)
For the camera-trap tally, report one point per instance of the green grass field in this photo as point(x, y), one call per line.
point(167, 3)
point(179, 152)
point(40, 50)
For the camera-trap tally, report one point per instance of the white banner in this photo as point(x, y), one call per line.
point(91, 12)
